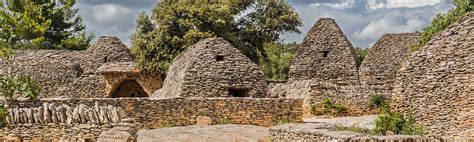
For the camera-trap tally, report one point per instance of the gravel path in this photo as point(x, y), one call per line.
point(206, 133)
point(361, 121)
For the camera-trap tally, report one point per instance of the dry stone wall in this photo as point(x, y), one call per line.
point(325, 55)
point(89, 117)
point(436, 84)
point(383, 60)
point(355, 97)
point(213, 68)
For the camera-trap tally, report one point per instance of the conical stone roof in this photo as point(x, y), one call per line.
point(383, 60)
point(325, 55)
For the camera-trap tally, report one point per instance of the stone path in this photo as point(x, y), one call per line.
point(206, 133)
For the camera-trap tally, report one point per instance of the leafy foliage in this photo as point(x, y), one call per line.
point(3, 117)
point(442, 21)
point(23, 85)
point(327, 107)
point(397, 123)
point(41, 24)
point(5, 52)
point(377, 101)
point(277, 64)
point(361, 53)
point(174, 26)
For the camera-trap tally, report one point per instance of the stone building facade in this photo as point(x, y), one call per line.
point(384, 58)
point(325, 55)
point(435, 84)
point(65, 73)
point(213, 68)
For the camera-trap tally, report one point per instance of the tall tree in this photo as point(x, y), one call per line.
point(174, 26)
point(42, 24)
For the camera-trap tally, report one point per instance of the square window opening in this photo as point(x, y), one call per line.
point(220, 58)
point(325, 54)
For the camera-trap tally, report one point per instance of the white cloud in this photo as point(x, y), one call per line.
point(392, 23)
point(374, 4)
point(341, 5)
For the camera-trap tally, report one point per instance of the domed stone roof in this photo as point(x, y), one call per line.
point(213, 68)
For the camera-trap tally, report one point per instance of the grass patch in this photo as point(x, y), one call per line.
point(352, 128)
point(397, 123)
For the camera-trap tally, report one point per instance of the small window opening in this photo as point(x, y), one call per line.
point(325, 54)
point(220, 58)
point(238, 92)
point(105, 59)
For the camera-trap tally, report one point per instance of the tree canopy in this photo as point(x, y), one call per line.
point(174, 26)
point(41, 24)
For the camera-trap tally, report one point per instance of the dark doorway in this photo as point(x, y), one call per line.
point(220, 58)
point(238, 92)
point(325, 54)
point(129, 88)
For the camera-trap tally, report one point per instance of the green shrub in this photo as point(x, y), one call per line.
point(377, 101)
point(328, 107)
point(226, 121)
point(397, 123)
point(3, 117)
point(19, 85)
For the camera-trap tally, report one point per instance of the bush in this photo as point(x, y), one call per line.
point(23, 85)
point(377, 101)
point(329, 108)
point(3, 116)
point(397, 123)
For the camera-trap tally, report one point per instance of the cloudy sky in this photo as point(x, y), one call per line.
point(363, 21)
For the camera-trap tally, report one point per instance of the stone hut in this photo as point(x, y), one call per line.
point(124, 79)
point(436, 83)
point(384, 58)
point(325, 55)
point(213, 68)
point(65, 73)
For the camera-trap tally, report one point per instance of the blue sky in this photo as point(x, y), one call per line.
point(363, 21)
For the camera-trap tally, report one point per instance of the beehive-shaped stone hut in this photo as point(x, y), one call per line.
point(436, 84)
point(64, 73)
point(383, 60)
point(325, 55)
point(213, 68)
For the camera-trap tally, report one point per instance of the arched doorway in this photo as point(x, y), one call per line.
point(129, 88)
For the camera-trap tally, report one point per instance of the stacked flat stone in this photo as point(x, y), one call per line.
point(325, 55)
point(211, 68)
point(435, 84)
point(383, 60)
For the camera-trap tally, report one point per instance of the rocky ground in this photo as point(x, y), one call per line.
point(206, 133)
point(231, 132)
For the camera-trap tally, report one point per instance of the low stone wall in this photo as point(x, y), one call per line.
point(321, 132)
point(355, 97)
point(89, 117)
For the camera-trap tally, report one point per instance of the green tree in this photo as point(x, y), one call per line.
point(174, 26)
point(41, 24)
point(361, 53)
point(442, 21)
point(277, 64)
point(23, 85)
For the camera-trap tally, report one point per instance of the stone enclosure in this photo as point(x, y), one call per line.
point(88, 92)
